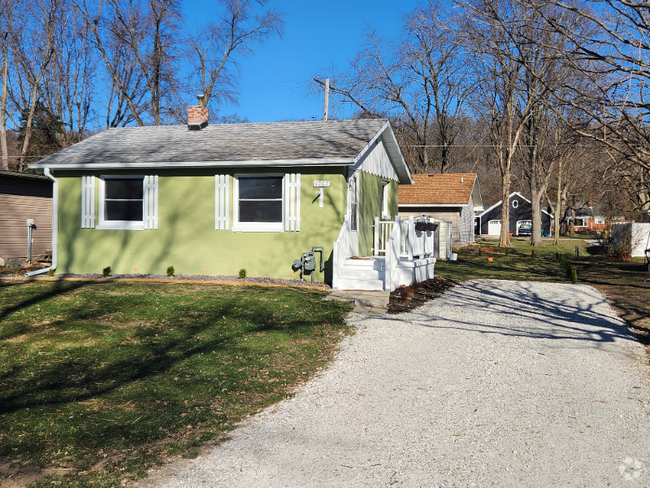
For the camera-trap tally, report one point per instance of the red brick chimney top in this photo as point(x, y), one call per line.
point(197, 117)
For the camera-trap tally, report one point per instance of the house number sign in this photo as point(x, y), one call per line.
point(320, 184)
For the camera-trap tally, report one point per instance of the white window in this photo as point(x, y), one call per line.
point(128, 202)
point(266, 203)
point(599, 220)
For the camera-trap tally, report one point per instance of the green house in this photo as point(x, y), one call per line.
point(213, 199)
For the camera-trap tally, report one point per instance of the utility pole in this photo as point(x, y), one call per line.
point(327, 95)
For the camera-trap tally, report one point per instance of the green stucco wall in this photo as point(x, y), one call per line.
point(370, 189)
point(186, 237)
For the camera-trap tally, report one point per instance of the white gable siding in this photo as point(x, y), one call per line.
point(376, 162)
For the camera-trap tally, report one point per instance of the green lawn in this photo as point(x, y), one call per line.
point(102, 380)
point(521, 262)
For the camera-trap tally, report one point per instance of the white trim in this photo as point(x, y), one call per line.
point(257, 227)
point(222, 202)
point(87, 202)
point(205, 164)
point(433, 205)
point(392, 149)
point(291, 201)
point(376, 161)
point(150, 202)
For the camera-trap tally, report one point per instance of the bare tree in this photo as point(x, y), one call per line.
point(215, 49)
point(617, 50)
point(145, 32)
point(499, 99)
point(418, 80)
point(7, 16)
point(34, 49)
point(69, 80)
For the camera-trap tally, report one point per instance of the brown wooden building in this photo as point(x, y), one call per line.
point(22, 197)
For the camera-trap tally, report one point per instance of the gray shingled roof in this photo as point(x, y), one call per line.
point(131, 146)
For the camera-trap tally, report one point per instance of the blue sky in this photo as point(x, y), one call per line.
point(274, 83)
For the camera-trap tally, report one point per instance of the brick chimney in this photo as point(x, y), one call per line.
point(197, 117)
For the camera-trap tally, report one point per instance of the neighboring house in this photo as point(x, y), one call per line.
point(489, 221)
point(24, 197)
point(215, 199)
point(452, 197)
point(589, 219)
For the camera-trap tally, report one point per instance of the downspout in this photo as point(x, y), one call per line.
point(55, 225)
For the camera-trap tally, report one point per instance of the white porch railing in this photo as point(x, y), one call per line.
point(412, 242)
point(341, 252)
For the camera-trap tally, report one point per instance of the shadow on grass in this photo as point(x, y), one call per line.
point(152, 350)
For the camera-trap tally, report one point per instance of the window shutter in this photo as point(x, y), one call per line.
point(87, 202)
point(292, 202)
point(221, 202)
point(150, 204)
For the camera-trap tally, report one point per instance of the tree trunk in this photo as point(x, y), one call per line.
point(504, 238)
point(4, 163)
point(558, 206)
point(28, 127)
point(572, 225)
point(536, 205)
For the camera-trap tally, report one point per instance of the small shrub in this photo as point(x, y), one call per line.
point(51, 271)
point(570, 271)
point(406, 292)
point(507, 251)
point(618, 245)
point(170, 271)
point(532, 253)
point(479, 251)
point(242, 273)
point(106, 272)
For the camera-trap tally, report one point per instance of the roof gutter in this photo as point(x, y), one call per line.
point(200, 164)
point(55, 225)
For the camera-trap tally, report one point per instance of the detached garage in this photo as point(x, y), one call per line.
point(24, 197)
point(521, 214)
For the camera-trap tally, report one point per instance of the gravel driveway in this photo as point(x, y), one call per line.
point(503, 384)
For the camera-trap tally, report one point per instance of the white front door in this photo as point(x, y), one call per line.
point(353, 214)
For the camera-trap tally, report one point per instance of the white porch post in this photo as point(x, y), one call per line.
point(376, 247)
point(411, 237)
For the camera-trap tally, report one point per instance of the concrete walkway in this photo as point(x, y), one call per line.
point(373, 302)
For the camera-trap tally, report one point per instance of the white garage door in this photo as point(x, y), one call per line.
point(494, 227)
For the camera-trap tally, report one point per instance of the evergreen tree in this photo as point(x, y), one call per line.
point(46, 132)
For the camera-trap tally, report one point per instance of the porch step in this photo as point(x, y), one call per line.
point(362, 274)
point(355, 284)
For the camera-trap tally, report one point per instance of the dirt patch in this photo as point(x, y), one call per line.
point(407, 298)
